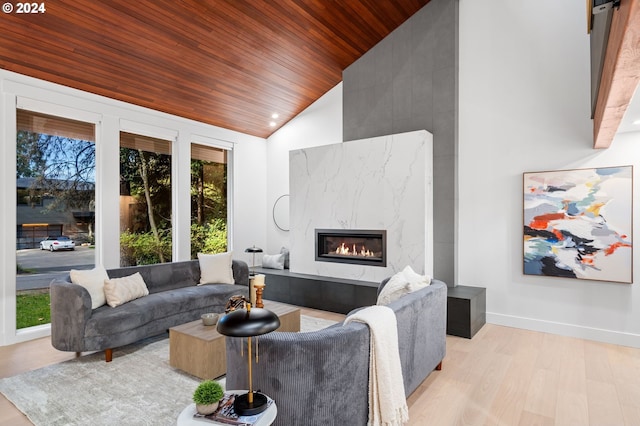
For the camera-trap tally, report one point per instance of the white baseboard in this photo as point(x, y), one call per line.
point(570, 330)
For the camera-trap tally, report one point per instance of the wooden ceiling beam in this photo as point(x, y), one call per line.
point(620, 74)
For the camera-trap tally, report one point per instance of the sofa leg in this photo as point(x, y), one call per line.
point(108, 354)
point(439, 366)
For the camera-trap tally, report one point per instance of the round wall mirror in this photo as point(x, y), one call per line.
point(281, 212)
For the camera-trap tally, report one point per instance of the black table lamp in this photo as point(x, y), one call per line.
point(253, 250)
point(247, 323)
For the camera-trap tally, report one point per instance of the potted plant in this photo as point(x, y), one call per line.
point(207, 395)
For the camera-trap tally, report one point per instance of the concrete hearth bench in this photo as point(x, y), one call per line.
point(174, 298)
point(332, 294)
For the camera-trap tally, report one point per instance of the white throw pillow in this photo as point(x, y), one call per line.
point(125, 289)
point(404, 282)
point(273, 261)
point(416, 280)
point(396, 287)
point(216, 268)
point(93, 281)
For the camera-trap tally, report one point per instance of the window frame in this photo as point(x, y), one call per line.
point(226, 146)
point(109, 117)
point(170, 136)
point(11, 105)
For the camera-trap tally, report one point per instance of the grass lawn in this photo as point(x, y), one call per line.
point(32, 308)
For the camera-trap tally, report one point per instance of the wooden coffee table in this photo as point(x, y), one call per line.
point(200, 350)
point(289, 315)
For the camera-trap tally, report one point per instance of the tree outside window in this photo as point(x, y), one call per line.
point(208, 200)
point(145, 200)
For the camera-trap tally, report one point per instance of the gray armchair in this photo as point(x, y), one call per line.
point(321, 377)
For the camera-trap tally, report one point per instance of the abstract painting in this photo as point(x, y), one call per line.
point(578, 223)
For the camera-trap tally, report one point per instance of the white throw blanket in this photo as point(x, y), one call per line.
point(387, 401)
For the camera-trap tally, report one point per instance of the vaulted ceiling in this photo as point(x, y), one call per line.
point(229, 63)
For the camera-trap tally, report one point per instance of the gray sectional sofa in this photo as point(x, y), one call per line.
point(321, 377)
point(174, 298)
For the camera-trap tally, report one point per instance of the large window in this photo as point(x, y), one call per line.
point(55, 191)
point(145, 200)
point(208, 200)
point(128, 186)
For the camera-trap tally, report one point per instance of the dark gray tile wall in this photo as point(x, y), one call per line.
point(409, 81)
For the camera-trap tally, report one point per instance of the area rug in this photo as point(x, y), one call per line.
point(138, 387)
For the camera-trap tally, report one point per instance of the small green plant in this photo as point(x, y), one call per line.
point(208, 392)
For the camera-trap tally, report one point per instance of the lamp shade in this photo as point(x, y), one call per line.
point(248, 323)
point(253, 249)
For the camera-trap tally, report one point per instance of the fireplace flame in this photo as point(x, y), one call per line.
point(345, 250)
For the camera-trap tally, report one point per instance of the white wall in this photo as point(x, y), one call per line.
point(524, 99)
point(319, 124)
point(248, 166)
point(249, 198)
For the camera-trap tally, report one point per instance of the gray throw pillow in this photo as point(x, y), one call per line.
point(285, 251)
point(273, 261)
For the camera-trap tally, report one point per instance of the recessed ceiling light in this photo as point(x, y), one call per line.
point(272, 124)
point(637, 122)
point(274, 115)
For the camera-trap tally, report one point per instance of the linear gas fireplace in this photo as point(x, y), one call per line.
point(356, 246)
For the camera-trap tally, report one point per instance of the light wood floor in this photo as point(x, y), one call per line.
point(503, 376)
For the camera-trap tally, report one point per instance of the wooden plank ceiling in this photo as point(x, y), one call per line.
point(229, 63)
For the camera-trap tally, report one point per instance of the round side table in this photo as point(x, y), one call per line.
point(186, 416)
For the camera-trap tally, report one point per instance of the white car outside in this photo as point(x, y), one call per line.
point(57, 243)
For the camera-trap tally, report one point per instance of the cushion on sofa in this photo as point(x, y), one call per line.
point(93, 281)
point(216, 268)
point(273, 261)
point(125, 289)
point(157, 306)
point(404, 282)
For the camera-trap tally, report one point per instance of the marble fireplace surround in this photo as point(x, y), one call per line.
point(375, 183)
